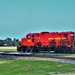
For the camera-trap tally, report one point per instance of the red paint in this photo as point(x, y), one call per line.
point(49, 39)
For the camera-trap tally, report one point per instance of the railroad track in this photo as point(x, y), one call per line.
point(16, 53)
point(42, 55)
point(36, 56)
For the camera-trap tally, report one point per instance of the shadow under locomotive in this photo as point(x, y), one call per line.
point(59, 42)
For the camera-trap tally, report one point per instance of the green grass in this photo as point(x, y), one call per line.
point(6, 50)
point(33, 67)
point(57, 55)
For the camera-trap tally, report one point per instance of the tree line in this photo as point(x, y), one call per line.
point(9, 42)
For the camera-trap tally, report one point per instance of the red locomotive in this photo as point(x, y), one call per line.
point(59, 42)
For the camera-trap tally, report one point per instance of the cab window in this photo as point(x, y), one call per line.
point(29, 37)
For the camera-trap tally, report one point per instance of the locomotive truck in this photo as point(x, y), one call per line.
point(58, 42)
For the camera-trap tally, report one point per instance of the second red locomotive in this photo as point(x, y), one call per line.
point(59, 42)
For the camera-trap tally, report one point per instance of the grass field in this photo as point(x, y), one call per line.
point(33, 67)
point(8, 49)
point(58, 55)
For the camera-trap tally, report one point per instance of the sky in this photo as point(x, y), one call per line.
point(19, 17)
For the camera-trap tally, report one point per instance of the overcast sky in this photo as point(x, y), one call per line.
point(19, 17)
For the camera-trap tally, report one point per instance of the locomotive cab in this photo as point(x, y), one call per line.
point(26, 43)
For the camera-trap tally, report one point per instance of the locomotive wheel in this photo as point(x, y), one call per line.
point(65, 50)
point(30, 49)
point(22, 49)
point(74, 52)
point(56, 50)
point(68, 50)
point(35, 50)
point(62, 50)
